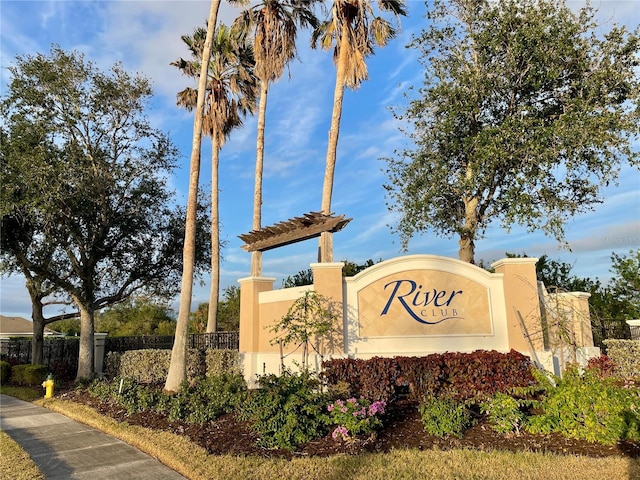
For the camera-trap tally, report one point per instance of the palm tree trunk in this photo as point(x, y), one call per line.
point(256, 257)
point(212, 320)
point(326, 239)
point(178, 367)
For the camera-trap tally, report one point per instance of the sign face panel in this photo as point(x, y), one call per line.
point(424, 302)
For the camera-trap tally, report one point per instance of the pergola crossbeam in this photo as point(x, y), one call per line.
point(297, 229)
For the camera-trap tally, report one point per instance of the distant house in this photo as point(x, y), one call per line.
point(18, 327)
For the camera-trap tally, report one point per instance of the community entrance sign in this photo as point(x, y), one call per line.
point(424, 303)
point(412, 306)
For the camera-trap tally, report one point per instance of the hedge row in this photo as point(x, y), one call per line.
point(461, 375)
point(28, 375)
point(626, 356)
point(151, 366)
point(5, 371)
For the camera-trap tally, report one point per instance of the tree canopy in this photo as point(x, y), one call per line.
point(137, 316)
point(525, 113)
point(87, 201)
point(228, 313)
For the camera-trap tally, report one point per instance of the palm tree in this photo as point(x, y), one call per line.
point(178, 366)
point(230, 94)
point(353, 30)
point(274, 24)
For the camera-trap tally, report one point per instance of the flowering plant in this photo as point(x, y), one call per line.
point(354, 416)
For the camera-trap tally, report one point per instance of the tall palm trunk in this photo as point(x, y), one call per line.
point(178, 367)
point(214, 295)
point(325, 246)
point(256, 257)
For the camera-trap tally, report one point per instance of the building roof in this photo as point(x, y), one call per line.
point(19, 327)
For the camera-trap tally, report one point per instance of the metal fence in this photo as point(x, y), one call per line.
point(606, 329)
point(60, 354)
point(218, 340)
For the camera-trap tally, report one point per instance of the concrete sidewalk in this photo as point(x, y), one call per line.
point(65, 449)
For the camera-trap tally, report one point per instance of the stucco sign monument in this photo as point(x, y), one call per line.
point(416, 305)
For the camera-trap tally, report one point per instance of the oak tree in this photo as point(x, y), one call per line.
point(527, 110)
point(87, 203)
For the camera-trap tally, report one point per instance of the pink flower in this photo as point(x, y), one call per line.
point(340, 432)
point(376, 407)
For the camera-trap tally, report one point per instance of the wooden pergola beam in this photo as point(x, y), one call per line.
point(297, 229)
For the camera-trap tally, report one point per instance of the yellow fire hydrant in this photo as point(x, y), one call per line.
point(48, 386)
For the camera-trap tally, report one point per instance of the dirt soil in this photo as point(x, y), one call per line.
point(402, 430)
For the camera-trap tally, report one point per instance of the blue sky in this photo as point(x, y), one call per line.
point(145, 37)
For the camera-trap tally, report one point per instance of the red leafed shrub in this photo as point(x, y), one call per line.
point(422, 375)
point(373, 379)
point(481, 373)
point(460, 375)
point(603, 366)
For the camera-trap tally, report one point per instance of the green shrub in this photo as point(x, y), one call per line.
point(443, 416)
point(146, 366)
point(5, 371)
point(504, 413)
point(590, 408)
point(130, 395)
point(286, 410)
point(112, 364)
point(203, 401)
point(208, 398)
point(32, 375)
point(103, 389)
point(136, 397)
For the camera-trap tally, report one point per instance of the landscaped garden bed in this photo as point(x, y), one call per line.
point(590, 413)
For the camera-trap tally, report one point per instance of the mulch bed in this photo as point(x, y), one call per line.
point(402, 430)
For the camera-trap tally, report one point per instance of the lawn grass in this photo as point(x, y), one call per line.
point(15, 463)
point(194, 462)
point(28, 394)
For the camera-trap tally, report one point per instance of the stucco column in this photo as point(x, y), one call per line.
point(521, 297)
point(250, 289)
point(577, 303)
point(328, 282)
point(99, 341)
